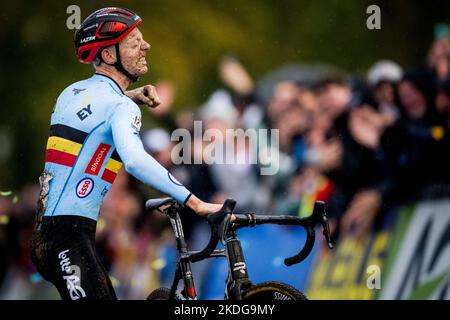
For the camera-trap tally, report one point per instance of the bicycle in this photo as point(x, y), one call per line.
point(238, 284)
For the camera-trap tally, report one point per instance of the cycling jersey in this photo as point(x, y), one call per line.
point(94, 129)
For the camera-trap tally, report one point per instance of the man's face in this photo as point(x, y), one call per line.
point(133, 49)
point(412, 100)
point(385, 92)
point(285, 95)
point(333, 99)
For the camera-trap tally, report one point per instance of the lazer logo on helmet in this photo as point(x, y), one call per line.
point(87, 39)
point(84, 187)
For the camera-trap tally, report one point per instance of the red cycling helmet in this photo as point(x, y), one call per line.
point(103, 28)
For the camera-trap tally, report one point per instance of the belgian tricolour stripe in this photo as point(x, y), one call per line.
point(112, 167)
point(64, 145)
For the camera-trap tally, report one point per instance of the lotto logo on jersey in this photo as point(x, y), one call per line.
point(84, 187)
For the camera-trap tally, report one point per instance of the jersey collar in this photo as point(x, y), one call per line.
point(99, 76)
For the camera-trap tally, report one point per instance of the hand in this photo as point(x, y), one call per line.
point(144, 95)
point(366, 126)
point(204, 208)
point(330, 155)
point(233, 73)
point(316, 135)
point(361, 214)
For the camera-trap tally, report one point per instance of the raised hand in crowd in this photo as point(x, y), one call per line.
point(326, 156)
point(234, 74)
point(361, 213)
point(366, 126)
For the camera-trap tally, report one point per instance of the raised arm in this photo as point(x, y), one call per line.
point(125, 125)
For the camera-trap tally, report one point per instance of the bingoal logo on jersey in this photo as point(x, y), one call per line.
point(84, 187)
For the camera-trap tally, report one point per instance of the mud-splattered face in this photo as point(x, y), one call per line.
point(133, 49)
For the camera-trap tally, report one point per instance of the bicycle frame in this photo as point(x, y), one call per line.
point(183, 269)
point(237, 279)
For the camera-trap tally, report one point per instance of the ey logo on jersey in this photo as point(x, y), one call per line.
point(84, 112)
point(84, 187)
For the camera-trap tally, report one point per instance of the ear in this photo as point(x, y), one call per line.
point(109, 55)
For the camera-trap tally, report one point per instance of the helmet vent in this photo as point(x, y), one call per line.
point(85, 54)
point(111, 28)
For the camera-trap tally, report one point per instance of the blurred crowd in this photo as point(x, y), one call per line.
point(362, 143)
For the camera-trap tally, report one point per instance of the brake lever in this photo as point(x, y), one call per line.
point(309, 223)
point(214, 221)
point(320, 215)
point(326, 230)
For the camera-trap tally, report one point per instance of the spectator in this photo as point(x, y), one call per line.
point(415, 143)
point(383, 77)
point(351, 166)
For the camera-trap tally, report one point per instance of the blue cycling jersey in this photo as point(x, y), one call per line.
point(94, 129)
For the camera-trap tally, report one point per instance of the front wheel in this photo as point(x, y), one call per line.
point(161, 294)
point(272, 290)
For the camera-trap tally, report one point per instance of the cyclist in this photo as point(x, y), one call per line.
point(94, 129)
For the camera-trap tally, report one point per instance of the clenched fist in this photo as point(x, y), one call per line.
point(144, 95)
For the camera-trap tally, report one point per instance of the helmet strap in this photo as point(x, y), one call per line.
point(119, 66)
